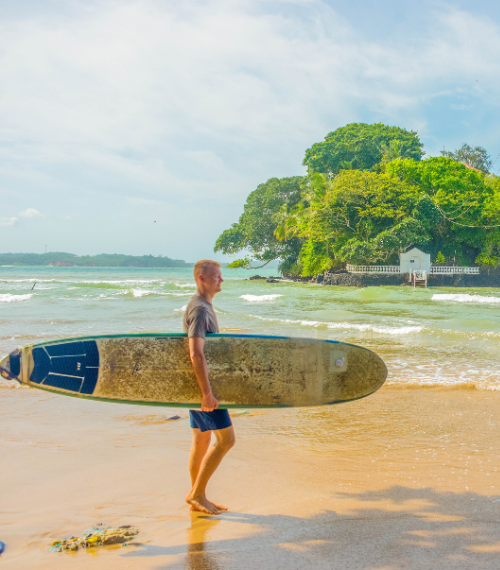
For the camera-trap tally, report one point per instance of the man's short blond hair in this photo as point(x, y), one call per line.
point(203, 266)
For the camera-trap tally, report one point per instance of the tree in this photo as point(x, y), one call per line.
point(255, 229)
point(476, 157)
point(468, 203)
point(359, 217)
point(440, 258)
point(361, 146)
point(365, 217)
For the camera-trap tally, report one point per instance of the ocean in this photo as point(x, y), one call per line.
point(439, 337)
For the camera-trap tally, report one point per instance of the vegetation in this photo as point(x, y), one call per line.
point(101, 260)
point(256, 226)
point(361, 147)
point(476, 157)
point(368, 197)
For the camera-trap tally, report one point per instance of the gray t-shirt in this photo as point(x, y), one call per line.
point(199, 318)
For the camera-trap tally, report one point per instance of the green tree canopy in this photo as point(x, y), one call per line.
point(477, 157)
point(468, 201)
point(367, 197)
point(254, 231)
point(361, 146)
point(364, 217)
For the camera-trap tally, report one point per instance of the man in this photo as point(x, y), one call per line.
point(200, 319)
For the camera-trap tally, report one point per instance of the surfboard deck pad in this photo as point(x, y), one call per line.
point(245, 370)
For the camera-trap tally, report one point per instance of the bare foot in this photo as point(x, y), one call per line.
point(202, 504)
point(219, 507)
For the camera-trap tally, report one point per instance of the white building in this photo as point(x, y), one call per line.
point(414, 260)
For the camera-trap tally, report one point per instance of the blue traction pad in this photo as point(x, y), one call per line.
point(72, 366)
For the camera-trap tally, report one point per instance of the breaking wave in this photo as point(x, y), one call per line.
point(395, 330)
point(259, 298)
point(8, 298)
point(148, 292)
point(464, 298)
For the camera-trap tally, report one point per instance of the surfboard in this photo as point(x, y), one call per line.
point(155, 369)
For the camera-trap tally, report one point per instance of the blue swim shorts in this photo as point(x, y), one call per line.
point(210, 421)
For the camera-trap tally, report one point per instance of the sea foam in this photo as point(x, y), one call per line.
point(259, 298)
point(8, 298)
point(393, 330)
point(464, 298)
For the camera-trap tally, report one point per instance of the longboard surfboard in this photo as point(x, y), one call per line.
point(155, 369)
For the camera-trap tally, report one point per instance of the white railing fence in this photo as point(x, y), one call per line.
point(435, 270)
point(450, 270)
point(373, 268)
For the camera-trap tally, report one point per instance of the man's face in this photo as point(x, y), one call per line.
point(212, 280)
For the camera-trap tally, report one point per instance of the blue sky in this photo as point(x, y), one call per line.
point(117, 114)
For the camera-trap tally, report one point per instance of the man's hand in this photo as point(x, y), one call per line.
point(208, 403)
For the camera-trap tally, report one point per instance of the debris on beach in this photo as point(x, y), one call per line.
point(95, 537)
point(2, 546)
point(239, 413)
point(151, 418)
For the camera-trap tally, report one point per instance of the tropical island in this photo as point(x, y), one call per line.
point(368, 196)
point(61, 259)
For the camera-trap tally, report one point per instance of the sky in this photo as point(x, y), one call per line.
point(140, 127)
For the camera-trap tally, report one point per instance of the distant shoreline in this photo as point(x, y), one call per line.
point(63, 259)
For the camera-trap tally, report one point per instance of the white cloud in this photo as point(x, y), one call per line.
point(6, 221)
point(31, 213)
point(135, 75)
point(199, 101)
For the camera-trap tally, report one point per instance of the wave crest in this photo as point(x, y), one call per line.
point(8, 298)
point(464, 298)
point(259, 298)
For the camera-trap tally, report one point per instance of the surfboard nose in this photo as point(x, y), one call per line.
point(10, 365)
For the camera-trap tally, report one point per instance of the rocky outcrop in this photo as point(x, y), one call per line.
point(481, 280)
point(346, 279)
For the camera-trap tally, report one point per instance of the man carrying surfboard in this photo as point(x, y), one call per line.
point(200, 319)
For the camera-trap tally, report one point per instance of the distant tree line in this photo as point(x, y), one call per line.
point(368, 196)
point(101, 260)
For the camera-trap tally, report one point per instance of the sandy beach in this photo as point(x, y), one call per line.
point(407, 478)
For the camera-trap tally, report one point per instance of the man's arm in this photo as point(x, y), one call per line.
point(196, 344)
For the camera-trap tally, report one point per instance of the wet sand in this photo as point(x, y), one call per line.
point(407, 478)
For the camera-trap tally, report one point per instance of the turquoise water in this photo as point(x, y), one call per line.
point(426, 336)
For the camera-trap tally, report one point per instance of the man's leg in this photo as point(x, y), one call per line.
point(225, 440)
point(201, 443)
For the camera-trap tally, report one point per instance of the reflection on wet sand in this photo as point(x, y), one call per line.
point(199, 554)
